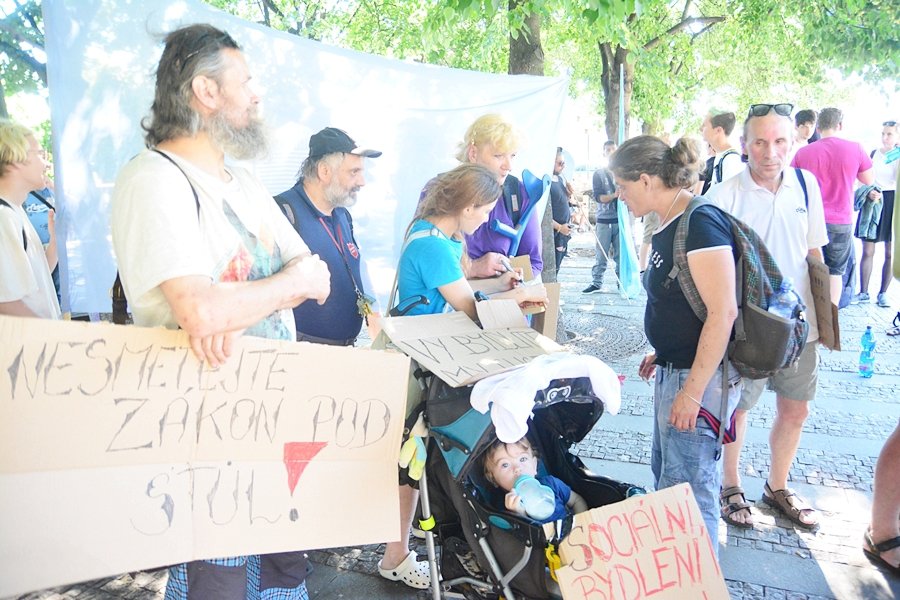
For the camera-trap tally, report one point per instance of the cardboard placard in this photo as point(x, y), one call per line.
point(457, 351)
point(544, 321)
point(826, 311)
point(119, 451)
point(653, 546)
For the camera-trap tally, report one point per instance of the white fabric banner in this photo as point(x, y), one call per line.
point(102, 55)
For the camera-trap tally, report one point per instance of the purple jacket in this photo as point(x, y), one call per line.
point(486, 240)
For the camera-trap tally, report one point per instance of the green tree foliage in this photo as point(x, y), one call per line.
point(855, 35)
point(22, 63)
point(673, 51)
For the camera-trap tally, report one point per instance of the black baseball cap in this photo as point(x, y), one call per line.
point(332, 139)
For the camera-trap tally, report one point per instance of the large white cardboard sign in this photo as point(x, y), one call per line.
point(459, 352)
point(653, 546)
point(119, 451)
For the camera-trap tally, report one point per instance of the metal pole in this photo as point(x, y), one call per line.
point(429, 538)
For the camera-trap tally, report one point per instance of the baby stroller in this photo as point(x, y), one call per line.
point(487, 551)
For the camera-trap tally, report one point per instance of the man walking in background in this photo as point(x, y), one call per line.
point(607, 226)
point(836, 163)
point(716, 131)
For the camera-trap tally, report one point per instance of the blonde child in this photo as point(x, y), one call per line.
point(505, 463)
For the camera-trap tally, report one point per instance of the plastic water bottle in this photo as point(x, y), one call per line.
point(783, 301)
point(634, 490)
point(867, 353)
point(537, 499)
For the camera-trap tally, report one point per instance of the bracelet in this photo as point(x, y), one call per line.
point(697, 402)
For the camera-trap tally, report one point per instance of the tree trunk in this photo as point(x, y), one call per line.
point(526, 55)
point(612, 58)
point(4, 112)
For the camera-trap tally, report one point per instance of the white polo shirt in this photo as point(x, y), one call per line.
point(784, 223)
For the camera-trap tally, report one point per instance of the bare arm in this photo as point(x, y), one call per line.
point(488, 265)
point(494, 285)
point(208, 310)
point(576, 503)
point(51, 251)
point(816, 253)
point(867, 177)
point(16, 308)
point(460, 296)
point(714, 276)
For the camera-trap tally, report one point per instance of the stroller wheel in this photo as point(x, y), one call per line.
point(469, 592)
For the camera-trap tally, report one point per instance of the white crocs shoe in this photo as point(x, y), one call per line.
point(412, 572)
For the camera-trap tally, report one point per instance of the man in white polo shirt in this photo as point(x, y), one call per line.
point(786, 211)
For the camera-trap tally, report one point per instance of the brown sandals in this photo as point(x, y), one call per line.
point(873, 552)
point(728, 509)
point(791, 506)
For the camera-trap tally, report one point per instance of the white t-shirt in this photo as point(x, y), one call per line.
point(783, 222)
point(240, 234)
point(885, 174)
point(731, 165)
point(25, 274)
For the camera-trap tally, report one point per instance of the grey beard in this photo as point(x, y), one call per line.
point(337, 198)
point(242, 143)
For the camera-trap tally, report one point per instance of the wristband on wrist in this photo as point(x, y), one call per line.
point(697, 402)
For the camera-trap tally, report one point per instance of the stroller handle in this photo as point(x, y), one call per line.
point(404, 306)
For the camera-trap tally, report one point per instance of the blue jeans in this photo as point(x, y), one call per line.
point(690, 456)
point(607, 240)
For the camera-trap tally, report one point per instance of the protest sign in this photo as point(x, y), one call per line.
point(826, 311)
point(653, 546)
point(459, 352)
point(119, 451)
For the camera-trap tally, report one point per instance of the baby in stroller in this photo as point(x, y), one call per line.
point(504, 463)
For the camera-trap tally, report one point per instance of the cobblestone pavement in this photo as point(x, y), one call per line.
point(842, 437)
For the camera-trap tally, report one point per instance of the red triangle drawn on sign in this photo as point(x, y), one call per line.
point(296, 456)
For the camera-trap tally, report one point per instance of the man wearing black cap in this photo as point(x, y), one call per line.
point(316, 206)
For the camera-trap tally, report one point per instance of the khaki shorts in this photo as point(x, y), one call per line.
point(797, 382)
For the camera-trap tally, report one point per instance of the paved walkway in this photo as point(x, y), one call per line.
point(834, 468)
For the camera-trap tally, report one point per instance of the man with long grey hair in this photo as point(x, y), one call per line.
point(201, 246)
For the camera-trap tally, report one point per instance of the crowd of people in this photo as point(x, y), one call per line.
point(794, 185)
point(202, 246)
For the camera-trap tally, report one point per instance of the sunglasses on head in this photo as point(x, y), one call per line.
point(889, 124)
point(761, 110)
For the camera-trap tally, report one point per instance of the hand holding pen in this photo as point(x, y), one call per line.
point(516, 274)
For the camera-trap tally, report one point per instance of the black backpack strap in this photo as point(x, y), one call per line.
point(512, 199)
point(24, 239)
point(718, 167)
point(802, 181)
point(872, 154)
point(119, 301)
point(724, 412)
point(708, 174)
point(177, 166)
point(43, 201)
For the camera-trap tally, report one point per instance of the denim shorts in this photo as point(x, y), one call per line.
point(837, 250)
point(797, 382)
point(690, 456)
